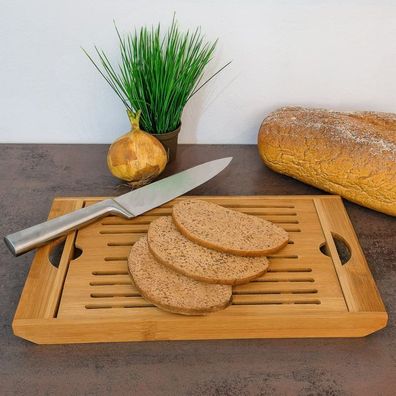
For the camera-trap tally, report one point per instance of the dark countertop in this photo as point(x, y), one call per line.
point(32, 175)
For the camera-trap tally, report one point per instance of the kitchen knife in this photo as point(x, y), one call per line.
point(128, 205)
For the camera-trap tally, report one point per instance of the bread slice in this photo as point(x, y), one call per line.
point(180, 254)
point(227, 230)
point(170, 290)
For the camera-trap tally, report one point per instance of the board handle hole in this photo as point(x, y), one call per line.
point(342, 247)
point(77, 252)
point(56, 251)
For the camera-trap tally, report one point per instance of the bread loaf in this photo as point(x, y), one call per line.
point(352, 154)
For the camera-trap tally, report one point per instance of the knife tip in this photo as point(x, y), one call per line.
point(227, 160)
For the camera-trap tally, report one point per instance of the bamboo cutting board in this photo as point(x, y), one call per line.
point(319, 285)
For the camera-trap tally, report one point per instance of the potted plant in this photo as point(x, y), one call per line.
point(158, 74)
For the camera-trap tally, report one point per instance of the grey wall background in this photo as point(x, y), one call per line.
point(337, 54)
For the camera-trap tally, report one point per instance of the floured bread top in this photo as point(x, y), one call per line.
point(227, 230)
point(375, 130)
point(177, 252)
point(170, 290)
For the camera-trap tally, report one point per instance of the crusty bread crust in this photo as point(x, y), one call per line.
point(226, 230)
point(171, 291)
point(351, 154)
point(180, 254)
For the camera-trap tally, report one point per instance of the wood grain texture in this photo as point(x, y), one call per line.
point(305, 293)
point(44, 283)
point(359, 288)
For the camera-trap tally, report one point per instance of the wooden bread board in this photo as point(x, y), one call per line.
point(307, 292)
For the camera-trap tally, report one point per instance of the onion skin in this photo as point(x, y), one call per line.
point(136, 157)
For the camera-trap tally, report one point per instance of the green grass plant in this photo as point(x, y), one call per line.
point(158, 74)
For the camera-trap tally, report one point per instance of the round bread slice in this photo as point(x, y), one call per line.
point(227, 230)
point(180, 254)
point(170, 290)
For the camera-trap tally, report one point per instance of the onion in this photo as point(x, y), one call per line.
point(137, 156)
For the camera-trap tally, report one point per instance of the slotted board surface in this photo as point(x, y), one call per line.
point(98, 282)
point(304, 293)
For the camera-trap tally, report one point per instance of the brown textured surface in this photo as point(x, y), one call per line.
point(174, 250)
point(349, 154)
point(170, 290)
point(30, 177)
point(227, 230)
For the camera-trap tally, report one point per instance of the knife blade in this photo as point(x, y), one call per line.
point(128, 205)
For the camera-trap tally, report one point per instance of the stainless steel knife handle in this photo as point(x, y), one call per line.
point(22, 241)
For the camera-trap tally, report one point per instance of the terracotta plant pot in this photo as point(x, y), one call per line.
point(169, 141)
